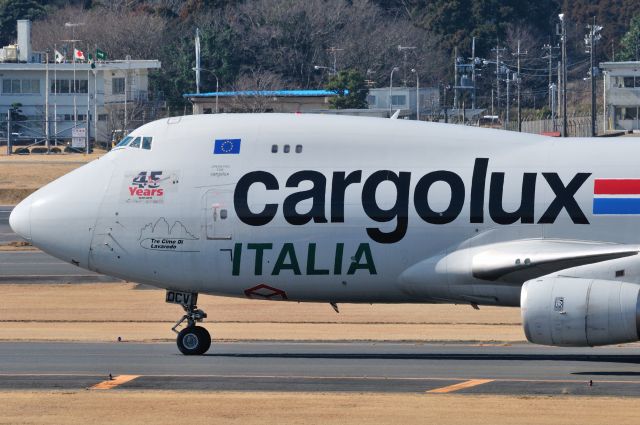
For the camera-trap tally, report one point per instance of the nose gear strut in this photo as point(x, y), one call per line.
point(191, 340)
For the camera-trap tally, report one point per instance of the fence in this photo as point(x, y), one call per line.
point(576, 126)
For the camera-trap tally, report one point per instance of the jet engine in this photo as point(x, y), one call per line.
point(575, 312)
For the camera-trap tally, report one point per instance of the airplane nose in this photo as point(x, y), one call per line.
point(60, 217)
point(20, 219)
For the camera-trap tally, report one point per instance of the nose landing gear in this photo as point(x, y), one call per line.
point(192, 340)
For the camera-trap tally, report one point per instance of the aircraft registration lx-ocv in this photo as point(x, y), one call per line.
point(360, 210)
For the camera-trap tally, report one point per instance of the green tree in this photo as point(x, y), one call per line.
point(630, 43)
point(16, 112)
point(351, 88)
point(455, 22)
point(11, 11)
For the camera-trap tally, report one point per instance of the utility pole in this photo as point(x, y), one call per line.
point(497, 50)
point(590, 40)
point(564, 73)
point(473, 72)
point(492, 112)
point(549, 48)
point(455, 77)
point(519, 83)
point(404, 50)
point(559, 99)
point(507, 118)
point(554, 105)
point(334, 51)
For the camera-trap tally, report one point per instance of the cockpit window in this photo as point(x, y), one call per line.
point(124, 141)
point(146, 143)
point(135, 143)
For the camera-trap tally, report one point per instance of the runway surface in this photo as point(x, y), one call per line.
point(379, 367)
point(36, 266)
point(6, 234)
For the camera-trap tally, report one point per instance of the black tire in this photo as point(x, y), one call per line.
point(193, 341)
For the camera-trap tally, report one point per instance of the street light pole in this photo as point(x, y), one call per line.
point(395, 68)
point(217, 84)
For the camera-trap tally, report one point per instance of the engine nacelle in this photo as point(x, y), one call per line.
point(571, 312)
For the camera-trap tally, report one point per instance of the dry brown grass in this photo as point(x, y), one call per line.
point(21, 175)
point(170, 407)
point(102, 312)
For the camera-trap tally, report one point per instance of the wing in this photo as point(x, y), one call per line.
point(512, 262)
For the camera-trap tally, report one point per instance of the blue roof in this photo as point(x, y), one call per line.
point(265, 93)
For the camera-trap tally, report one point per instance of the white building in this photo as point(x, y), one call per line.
point(104, 92)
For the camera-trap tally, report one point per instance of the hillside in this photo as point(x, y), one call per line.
point(264, 44)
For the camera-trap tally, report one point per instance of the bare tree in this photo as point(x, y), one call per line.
point(119, 33)
point(255, 84)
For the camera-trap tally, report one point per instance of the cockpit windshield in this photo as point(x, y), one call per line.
point(124, 142)
point(137, 142)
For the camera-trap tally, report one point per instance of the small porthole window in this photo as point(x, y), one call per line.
point(274, 148)
point(223, 214)
point(286, 148)
point(298, 148)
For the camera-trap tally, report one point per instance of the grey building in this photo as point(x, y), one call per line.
point(621, 95)
point(404, 98)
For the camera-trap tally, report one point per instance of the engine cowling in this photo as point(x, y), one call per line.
point(572, 312)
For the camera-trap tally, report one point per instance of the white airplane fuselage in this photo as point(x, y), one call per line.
point(341, 209)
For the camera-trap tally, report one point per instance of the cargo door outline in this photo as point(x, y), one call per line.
point(218, 212)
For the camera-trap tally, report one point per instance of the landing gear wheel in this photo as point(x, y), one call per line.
point(193, 341)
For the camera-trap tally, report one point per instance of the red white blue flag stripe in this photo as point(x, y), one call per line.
point(616, 196)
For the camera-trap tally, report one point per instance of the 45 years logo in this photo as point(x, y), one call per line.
point(150, 186)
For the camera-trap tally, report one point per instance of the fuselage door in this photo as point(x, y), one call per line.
point(218, 210)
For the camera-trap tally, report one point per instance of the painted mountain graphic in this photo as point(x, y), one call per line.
point(162, 236)
point(162, 229)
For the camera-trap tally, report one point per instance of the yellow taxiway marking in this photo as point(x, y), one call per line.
point(460, 386)
point(112, 383)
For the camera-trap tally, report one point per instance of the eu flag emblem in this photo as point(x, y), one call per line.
point(226, 146)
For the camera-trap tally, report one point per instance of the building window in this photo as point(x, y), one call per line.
point(67, 86)
point(117, 85)
point(208, 111)
point(626, 113)
point(398, 100)
point(15, 86)
point(102, 117)
point(371, 100)
point(630, 82)
point(82, 86)
point(60, 86)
